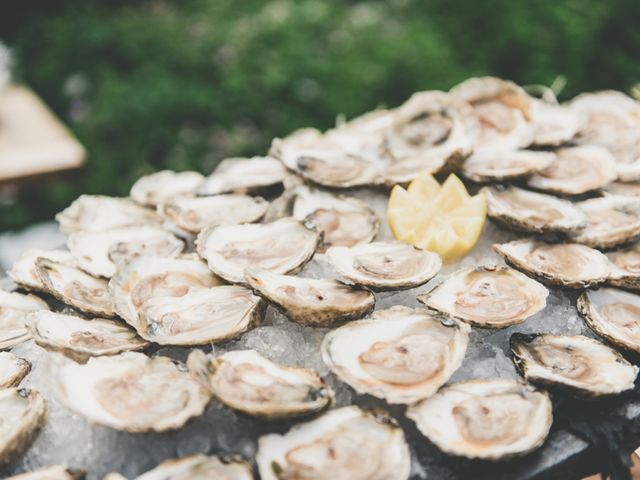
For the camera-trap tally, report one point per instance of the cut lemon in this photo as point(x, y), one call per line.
point(440, 218)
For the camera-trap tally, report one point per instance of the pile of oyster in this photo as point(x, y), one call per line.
point(194, 261)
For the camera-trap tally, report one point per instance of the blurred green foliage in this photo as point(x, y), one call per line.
point(182, 84)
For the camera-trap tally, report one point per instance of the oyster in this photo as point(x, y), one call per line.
point(400, 354)
point(385, 265)
point(315, 302)
point(14, 308)
point(22, 413)
point(344, 444)
point(99, 213)
point(147, 277)
point(534, 212)
point(75, 287)
point(200, 316)
point(246, 381)
point(433, 132)
point(554, 124)
point(98, 253)
point(487, 419)
point(198, 467)
point(195, 214)
point(12, 369)
point(625, 268)
point(580, 364)
point(564, 264)
point(611, 221)
point(165, 185)
point(243, 175)
point(130, 391)
point(488, 296)
point(576, 170)
point(57, 472)
point(24, 273)
point(80, 339)
point(495, 165)
point(282, 247)
point(342, 220)
point(503, 110)
point(613, 314)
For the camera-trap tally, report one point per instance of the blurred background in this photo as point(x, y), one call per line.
point(146, 85)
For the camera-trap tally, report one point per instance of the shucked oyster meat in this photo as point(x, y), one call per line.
point(22, 413)
point(14, 309)
point(99, 253)
point(489, 296)
point(23, 270)
point(196, 214)
point(580, 364)
point(344, 444)
point(385, 265)
point(160, 187)
point(244, 175)
point(611, 221)
point(80, 339)
point(486, 419)
point(534, 212)
point(503, 110)
point(75, 287)
point(400, 354)
point(197, 467)
point(613, 314)
point(129, 392)
point(99, 213)
point(12, 369)
point(246, 381)
point(315, 302)
point(568, 265)
point(281, 247)
point(495, 165)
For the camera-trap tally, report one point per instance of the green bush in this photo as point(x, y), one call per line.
point(153, 84)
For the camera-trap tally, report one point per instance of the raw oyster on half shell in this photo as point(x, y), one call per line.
point(611, 221)
point(22, 413)
point(24, 272)
point(244, 175)
point(197, 467)
point(165, 185)
point(495, 165)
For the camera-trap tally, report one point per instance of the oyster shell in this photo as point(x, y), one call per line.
point(385, 265)
point(487, 419)
point(625, 268)
point(196, 214)
point(165, 185)
point(282, 247)
point(243, 175)
point(14, 308)
point(12, 369)
point(503, 110)
point(568, 265)
point(611, 221)
point(534, 212)
point(57, 472)
point(80, 339)
point(489, 296)
point(24, 272)
point(75, 287)
point(495, 165)
point(246, 381)
point(343, 444)
point(129, 392)
point(400, 354)
point(99, 213)
point(147, 277)
point(309, 301)
point(98, 253)
point(199, 467)
point(580, 364)
point(433, 132)
point(613, 314)
point(576, 170)
point(200, 316)
point(22, 413)
point(554, 124)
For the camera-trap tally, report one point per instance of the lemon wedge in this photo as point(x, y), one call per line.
point(440, 218)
